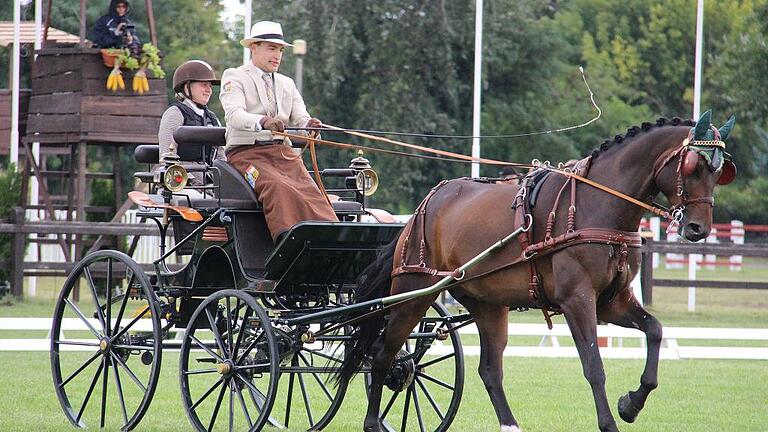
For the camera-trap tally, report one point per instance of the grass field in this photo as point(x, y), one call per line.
point(545, 394)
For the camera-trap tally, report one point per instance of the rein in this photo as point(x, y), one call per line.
point(313, 156)
point(457, 157)
point(651, 208)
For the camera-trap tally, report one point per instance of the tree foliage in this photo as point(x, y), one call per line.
point(406, 65)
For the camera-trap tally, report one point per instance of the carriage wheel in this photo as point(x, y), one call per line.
point(109, 361)
point(229, 357)
point(311, 399)
point(423, 388)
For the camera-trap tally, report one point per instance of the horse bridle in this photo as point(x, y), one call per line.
point(688, 155)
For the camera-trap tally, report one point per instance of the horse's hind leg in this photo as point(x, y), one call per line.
point(626, 311)
point(491, 322)
point(579, 310)
point(401, 322)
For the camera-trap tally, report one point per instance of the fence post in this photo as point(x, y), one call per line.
point(17, 255)
point(656, 230)
point(711, 259)
point(692, 260)
point(646, 271)
point(737, 237)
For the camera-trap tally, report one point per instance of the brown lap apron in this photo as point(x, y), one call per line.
point(286, 191)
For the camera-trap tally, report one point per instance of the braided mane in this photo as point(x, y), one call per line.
point(635, 130)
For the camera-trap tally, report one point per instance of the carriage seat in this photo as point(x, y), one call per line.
point(235, 191)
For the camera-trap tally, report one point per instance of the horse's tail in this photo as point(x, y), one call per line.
point(374, 282)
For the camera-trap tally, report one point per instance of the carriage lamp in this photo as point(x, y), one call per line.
point(175, 178)
point(366, 179)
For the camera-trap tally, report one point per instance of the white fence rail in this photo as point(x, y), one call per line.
point(549, 345)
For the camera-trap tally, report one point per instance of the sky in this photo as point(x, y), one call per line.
point(232, 8)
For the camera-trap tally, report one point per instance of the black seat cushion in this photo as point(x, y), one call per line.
point(200, 136)
point(347, 207)
point(149, 154)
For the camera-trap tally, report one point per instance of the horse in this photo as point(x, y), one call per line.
point(585, 280)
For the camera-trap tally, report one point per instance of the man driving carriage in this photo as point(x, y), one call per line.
point(257, 101)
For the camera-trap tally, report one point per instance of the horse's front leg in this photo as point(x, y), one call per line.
point(580, 313)
point(626, 311)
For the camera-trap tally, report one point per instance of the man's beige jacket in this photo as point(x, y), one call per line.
point(244, 99)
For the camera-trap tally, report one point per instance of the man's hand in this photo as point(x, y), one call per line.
point(273, 124)
point(314, 123)
point(119, 28)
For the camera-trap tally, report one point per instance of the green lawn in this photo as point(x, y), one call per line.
point(546, 395)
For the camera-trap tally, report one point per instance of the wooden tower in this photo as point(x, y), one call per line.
point(70, 110)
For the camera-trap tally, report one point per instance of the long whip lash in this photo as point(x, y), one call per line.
point(518, 135)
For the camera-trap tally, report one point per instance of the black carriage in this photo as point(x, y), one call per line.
point(260, 328)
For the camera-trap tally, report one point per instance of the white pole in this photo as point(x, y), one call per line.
point(33, 187)
point(34, 191)
point(15, 82)
point(477, 89)
point(737, 237)
point(247, 29)
point(38, 25)
point(656, 230)
point(697, 66)
point(692, 260)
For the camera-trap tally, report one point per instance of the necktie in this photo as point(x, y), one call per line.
point(271, 100)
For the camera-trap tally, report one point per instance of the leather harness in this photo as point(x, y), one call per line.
point(530, 251)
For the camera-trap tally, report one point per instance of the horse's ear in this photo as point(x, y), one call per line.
point(725, 130)
point(702, 125)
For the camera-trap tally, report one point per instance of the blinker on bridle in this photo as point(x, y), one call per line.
point(713, 152)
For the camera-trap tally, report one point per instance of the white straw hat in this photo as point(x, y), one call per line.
point(265, 31)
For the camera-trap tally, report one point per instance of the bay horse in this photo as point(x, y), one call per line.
point(584, 280)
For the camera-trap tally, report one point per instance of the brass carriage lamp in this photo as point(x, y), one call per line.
point(175, 178)
point(366, 180)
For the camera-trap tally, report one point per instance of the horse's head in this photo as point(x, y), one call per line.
point(701, 163)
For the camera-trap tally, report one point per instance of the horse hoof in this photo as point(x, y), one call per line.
point(627, 409)
point(376, 427)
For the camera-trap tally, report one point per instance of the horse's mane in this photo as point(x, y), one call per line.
point(643, 128)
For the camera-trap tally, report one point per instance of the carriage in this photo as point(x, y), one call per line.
point(312, 308)
point(260, 328)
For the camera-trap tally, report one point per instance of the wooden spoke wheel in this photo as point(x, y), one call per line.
point(423, 388)
point(106, 342)
point(308, 398)
point(229, 364)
